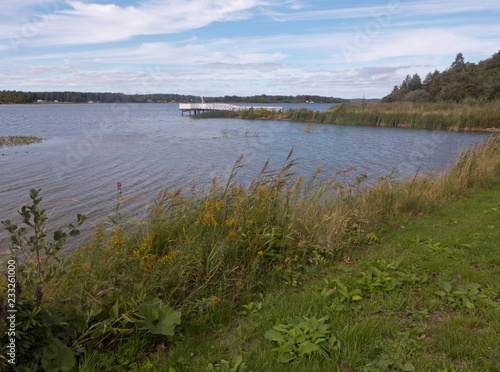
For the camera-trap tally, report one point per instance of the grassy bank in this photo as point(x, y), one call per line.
point(10, 141)
point(451, 116)
point(238, 260)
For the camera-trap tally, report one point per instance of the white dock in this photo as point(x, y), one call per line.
point(202, 107)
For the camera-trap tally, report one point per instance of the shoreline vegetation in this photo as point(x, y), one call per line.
point(322, 274)
point(11, 141)
point(443, 116)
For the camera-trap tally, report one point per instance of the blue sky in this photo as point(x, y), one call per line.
point(241, 47)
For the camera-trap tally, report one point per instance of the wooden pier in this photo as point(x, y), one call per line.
point(198, 108)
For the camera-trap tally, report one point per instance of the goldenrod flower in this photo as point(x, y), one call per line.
point(300, 181)
point(231, 221)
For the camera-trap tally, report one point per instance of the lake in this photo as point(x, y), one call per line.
point(150, 147)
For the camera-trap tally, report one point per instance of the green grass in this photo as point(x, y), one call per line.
point(10, 141)
point(450, 116)
point(409, 325)
point(384, 262)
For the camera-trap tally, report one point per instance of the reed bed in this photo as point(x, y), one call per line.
point(234, 240)
point(10, 141)
point(443, 115)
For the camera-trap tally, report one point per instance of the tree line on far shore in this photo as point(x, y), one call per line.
point(12, 96)
point(462, 81)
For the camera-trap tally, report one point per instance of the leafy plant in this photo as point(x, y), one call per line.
point(236, 365)
point(38, 250)
point(56, 356)
point(386, 276)
point(159, 319)
point(302, 337)
point(375, 279)
point(36, 329)
point(468, 297)
point(251, 308)
point(344, 293)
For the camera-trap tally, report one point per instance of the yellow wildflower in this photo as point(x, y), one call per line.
point(218, 204)
point(169, 258)
point(117, 237)
point(214, 302)
point(260, 253)
point(208, 205)
point(231, 235)
point(231, 221)
point(148, 262)
point(262, 193)
point(300, 181)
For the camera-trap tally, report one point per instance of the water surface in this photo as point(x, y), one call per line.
point(150, 147)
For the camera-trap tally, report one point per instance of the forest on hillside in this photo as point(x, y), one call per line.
point(462, 81)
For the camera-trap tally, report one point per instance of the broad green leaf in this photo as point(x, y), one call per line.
point(445, 285)
point(115, 310)
point(158, 318)
point(237, 361)
point(281, 328)
point(441, 293)
point(327, 292)
point(286, 357)
point(58, 235)
point(74, 232)
point(408, 367)
point(473, 288)
point(356, 297)
point(306, 348)
point(49, 365)
point(274, 336)
point(50, 351)
point(65, 358)
point(332, 340)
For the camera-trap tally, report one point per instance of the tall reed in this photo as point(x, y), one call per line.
point(451, 116)
point(196, 250)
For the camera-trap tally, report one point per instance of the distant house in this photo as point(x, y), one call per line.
point(150, 100)
point(39, 101)
point(56, 101)
point(91, 101)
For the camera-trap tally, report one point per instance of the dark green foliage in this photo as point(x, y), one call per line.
point(40, 251)
point(459, 82)
point(7, 96)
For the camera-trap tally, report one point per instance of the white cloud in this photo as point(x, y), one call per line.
point(90, 23)
point(413, 8)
